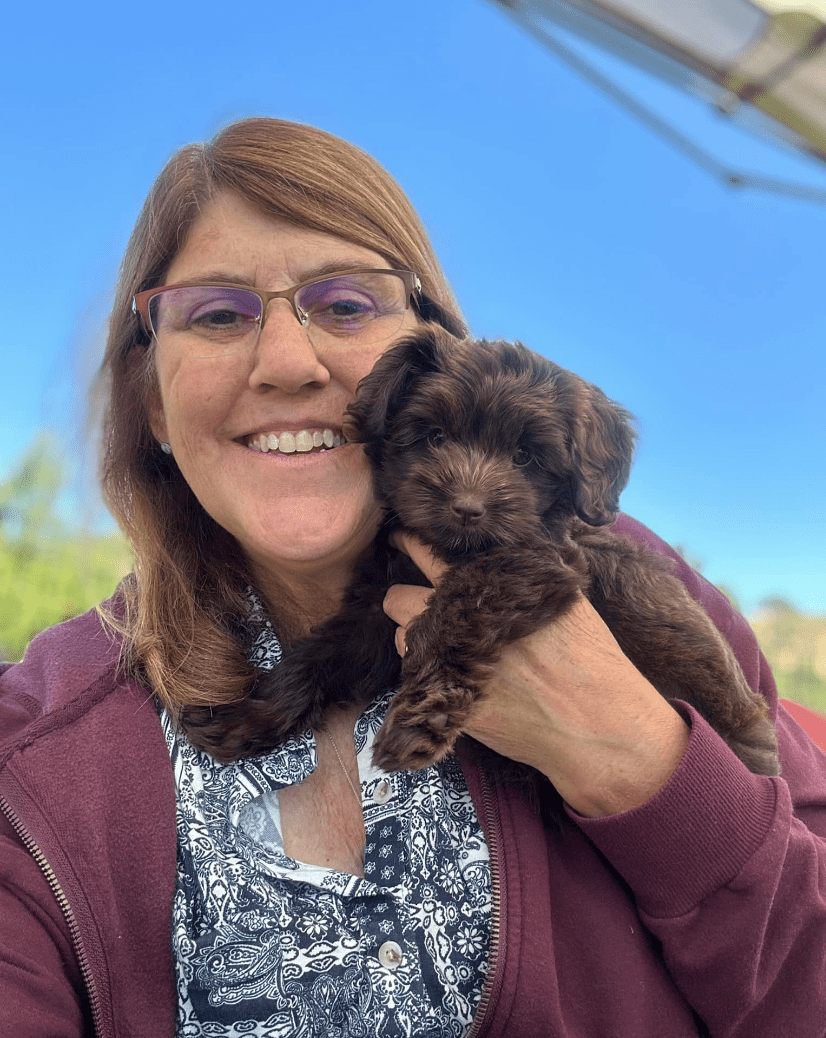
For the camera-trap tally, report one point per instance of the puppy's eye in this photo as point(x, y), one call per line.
point(435, 437)
point(522, 457)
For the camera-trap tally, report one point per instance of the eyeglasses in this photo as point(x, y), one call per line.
point(360, 306)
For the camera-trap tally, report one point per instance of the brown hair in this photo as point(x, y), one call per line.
point(186, 594)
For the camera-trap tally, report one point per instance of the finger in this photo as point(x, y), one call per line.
point(404, 602)
point(424, 558)
point(401, 641)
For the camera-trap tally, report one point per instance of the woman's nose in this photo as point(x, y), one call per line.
point(284, 356)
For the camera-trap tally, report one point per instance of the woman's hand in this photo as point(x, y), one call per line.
point(567, 701)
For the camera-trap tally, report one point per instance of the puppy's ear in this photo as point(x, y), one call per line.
point(382, 392)
point(602, 448)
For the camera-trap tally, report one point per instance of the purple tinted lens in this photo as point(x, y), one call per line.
point(207, 311)
point(349, 304)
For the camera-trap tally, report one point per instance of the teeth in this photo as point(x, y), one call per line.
point(302, 442)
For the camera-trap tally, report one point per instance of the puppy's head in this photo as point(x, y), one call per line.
point(476, 443)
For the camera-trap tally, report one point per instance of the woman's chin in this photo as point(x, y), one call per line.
point(317, 541)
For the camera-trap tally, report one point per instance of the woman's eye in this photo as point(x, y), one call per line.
point(340, 307)
point(345, 304)
point(347, 310)
point(223, 324)
point(220, 312)
point(208, 311)
point(216, 319)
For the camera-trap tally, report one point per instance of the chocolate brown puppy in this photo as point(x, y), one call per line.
point(509, 468)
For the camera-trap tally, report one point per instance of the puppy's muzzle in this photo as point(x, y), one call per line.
point(468, 508)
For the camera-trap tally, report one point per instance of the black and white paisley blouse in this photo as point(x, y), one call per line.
point(270, 947)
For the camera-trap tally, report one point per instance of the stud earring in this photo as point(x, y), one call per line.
point(166, 448)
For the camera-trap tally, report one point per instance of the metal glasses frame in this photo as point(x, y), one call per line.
point(412, 285)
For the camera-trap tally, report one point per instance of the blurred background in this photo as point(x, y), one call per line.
point(587, 195)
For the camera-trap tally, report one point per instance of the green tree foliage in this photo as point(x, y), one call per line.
point(795, 646)
point(792, 642)
point(48, 570)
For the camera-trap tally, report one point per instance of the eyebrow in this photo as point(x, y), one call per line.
point(319, 271)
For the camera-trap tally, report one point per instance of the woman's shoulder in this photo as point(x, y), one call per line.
point(65, 670)
point(728, 621)
point(633, 530)
point(716, 604)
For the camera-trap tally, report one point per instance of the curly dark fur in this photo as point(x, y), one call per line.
point(506, 465)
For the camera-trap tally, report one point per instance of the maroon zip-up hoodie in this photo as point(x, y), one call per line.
point(702, 912)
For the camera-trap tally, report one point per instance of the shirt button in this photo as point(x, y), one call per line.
point(390, 955)
point(382, 792)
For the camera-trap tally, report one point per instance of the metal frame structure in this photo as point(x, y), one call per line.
point(761, 63)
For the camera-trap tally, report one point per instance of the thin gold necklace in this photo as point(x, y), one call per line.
point(329, 735)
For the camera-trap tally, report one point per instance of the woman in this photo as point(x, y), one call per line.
point(149, 890)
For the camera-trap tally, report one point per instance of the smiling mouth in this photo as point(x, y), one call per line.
point(303, 442)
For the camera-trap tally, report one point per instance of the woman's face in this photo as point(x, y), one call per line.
point(296, 515)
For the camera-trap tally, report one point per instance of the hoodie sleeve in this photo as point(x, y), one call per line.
point(728, 869)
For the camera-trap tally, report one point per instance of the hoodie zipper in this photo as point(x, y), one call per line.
point(85, 970)
point(492, 827)
point(491, 815)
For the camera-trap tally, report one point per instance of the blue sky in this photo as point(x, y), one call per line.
point(560, 221)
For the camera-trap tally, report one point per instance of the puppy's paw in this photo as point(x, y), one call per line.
point(411, 748)
point(421, 727)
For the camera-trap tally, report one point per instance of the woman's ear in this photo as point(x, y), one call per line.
point(157, 423)
point(141, 368)
point(157, 417)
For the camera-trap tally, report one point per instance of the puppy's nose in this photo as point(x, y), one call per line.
point(469, 508)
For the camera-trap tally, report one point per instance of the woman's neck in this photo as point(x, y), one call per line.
point(298, 603)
